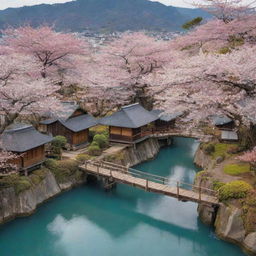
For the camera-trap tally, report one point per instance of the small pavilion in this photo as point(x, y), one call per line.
point(166, 121)
point(129, 124)
point(223, 122)
point(26, 142)
point(71, 122)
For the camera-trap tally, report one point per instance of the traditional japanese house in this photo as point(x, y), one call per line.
point(128, 124)
point(72, 122)
point(229, 136)
point(27, 143)
point(223, 122)
point(165, 121)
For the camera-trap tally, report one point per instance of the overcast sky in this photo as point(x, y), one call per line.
point(17, 3)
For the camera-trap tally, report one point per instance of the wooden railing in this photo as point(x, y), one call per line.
point(112, 167)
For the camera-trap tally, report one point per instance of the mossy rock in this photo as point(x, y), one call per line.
point(236, 169)
point(234, 190)
point(38, 176)
point(249, 212)
point(19, 183)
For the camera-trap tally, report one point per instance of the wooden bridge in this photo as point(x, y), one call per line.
point(150, 182)
point(164, 133)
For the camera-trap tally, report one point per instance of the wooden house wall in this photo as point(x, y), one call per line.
point(78, 112)
point(80, 137)
point(33, 156)
point(124, 134)
point(163, 124)
point(121, 131)
point(228, 126)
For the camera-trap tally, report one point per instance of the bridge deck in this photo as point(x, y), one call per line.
point(142, 180)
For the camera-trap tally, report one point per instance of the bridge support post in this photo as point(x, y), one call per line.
point(200, 192)
point(146, 185)
point(98, 171)
point(178, 190)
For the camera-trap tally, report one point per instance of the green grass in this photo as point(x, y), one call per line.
point(221, 149)
point(236, 169)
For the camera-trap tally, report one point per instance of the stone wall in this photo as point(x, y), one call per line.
point(143, 151)
point(13, 205)
point(25, 203)
point(228, 221)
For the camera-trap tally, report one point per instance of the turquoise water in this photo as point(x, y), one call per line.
point(90, 222)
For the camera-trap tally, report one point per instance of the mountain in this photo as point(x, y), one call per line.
point(102, 16)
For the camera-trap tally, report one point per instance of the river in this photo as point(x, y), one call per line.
point(126, 221)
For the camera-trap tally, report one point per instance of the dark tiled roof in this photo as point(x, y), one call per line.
point(131, 116)
point(23, 139)
point(167, 117)
point(67, 110)
point(79, 123)
point(221, 120)
point(229, 135)
point(49, 121)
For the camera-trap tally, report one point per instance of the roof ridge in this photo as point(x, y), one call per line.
point(129, 116)
point(18, 129)
point(131, 105)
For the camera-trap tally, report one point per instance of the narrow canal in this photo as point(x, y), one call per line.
point(127, 221)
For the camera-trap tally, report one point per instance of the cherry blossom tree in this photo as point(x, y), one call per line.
point(227, 10)
point(55, 52)
point(204, 85)
point(123, 64)
point(249, 156)
point(22, 90)
point(233, 26)
point(7, 164)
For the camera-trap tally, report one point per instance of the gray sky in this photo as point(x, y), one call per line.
point(17, 3)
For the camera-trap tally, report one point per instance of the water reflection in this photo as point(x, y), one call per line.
point(89, 222)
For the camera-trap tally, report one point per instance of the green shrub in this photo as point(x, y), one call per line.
point(236, 169)
point(59, 141)
point(224, 50)
point(22, 185)
point(38, 175)
point(19, 183)
point(65, 169)
point(57, 145)
point(94, 149)
point(192, 23)
point(209, 149)
point(234, 190)
point(100, 129)
point(222, 149)
point(101, 140)
point(51, 164)
point(114, 157)
point(217, 185)
point(82, 158)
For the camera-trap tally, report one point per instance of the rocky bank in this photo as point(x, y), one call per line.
point(13, 204)
point(228, 218)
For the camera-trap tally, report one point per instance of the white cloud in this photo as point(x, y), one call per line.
point(180, 3)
